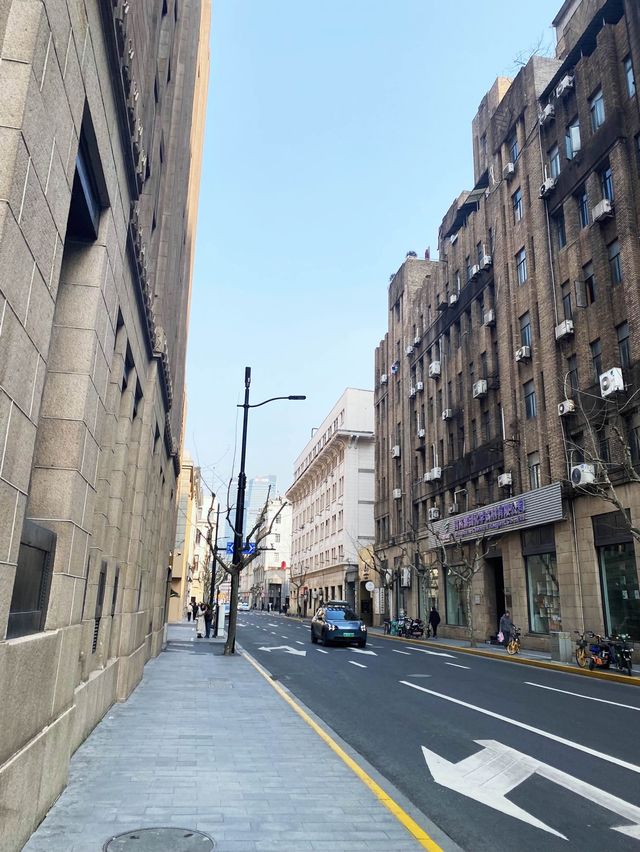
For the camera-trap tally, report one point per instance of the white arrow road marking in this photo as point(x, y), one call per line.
point(362, 651)
point(578, 695)
point(322, 651)
point(433, 653)
point(359, 665)
point(525, 727)
point(286, 648)
point(406, 653)
point(457, 665)
point(490, 774)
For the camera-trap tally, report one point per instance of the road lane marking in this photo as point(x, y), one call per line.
point(273, 633)
point(578, 746)
point(362, 651)
point(433, 653)
point(457, 665)
point(322, 651)
point(286, 648)
point(359, 665)
point(283, 637)
point(406, 653)
point(298, 642)
point(588, 697)
point(383, 797)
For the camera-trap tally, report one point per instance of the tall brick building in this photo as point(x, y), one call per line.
point(101, 124)
point(507, 385)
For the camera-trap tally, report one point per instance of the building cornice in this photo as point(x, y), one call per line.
point(339, 440)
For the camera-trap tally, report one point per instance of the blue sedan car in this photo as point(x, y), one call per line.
point(338, 624)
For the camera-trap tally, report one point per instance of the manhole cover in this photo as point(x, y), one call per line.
point(160, 840)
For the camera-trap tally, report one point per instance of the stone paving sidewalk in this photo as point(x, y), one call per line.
point(205, 743)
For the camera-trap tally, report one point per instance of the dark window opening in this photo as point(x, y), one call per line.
point(88, 194)
point(30, 598)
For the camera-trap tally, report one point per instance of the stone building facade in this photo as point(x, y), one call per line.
point(101, 122)
point(498, 420)
point(269, 572)
point(332, 505)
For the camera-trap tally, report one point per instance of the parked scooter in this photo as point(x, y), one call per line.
point(414, 628)
point(621, 653)
point(600, 651)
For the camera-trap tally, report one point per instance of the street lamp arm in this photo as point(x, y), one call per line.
point(272, 399)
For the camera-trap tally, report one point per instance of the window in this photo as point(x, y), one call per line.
point(596, 358)
point(455, 599)
point(516, 201)
point(530, 406)
point(30, 598)
point(624, 351)
point(543, 592)
point(572, 374)
point(521, 266)
point(479, 253)
point(634, 443)
point(620, 591)
point(525, 329)
point(566, 300)
point(554, 161)
point(512, 147)
point(589, 283)
point(615, 267)
point(596, 108)
point(474, 434)
point(629, 76)
point(572, 141)
point(583, 207)
point(606, 183)
point(468, 267)
point(533, 463)
point(561, 233)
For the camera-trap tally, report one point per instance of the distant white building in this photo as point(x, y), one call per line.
point(270, 570)
point(332, 499)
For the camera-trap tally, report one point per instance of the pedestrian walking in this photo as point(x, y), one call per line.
point(194, 608)
point(506, 626)
point(200, 622)
point(188, 612)
point(434, 621)
point(208, 618)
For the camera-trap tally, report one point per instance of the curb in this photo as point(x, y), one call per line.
point(524, 661)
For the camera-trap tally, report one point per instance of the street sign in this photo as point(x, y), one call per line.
point(247, 550)
point(488, 775)
point(369, 586)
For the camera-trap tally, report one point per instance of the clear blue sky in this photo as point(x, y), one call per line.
point(338, 134)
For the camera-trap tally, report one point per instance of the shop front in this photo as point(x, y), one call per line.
point(618, 574)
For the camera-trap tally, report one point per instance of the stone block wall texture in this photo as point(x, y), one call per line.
point(92, 353)
point(491, 435)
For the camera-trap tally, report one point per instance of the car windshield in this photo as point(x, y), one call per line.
point(341, 615)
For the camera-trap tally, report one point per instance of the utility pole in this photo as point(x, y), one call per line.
point(213, 568)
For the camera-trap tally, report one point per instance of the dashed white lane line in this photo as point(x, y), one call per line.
point(405, 653)
point(273, 633)
point(298, 642)
point(457, 665)
point(433, 653)
point(283, 637)
point(578, 695)
point(359, 665)
point(321, 651)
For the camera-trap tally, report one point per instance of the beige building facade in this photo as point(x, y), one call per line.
point(101, 121)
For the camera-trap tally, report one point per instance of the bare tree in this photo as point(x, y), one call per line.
point(297, 580)
point(542, 47)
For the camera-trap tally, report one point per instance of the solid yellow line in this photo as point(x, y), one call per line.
point(401, 815)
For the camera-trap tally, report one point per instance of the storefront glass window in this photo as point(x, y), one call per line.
point(543, 593)
point(620, 592)
point(456, 601)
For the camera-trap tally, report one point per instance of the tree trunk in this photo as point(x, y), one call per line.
point(472, 638)
point(230, 644)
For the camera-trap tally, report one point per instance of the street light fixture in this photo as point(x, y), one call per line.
point(242, 484)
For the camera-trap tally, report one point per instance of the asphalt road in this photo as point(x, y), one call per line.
point(557, 756)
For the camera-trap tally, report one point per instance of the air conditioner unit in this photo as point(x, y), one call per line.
point(395, 451)
point(409, 349)
point(436, 473)
point(434, 369)
point(547, 114)
point(602, 210)
point(453, 298)
point(523, 354)
point(564, 86)
point(486, 262)
point(419, 386)
point(583, 474)
point(479, 388)
point(475, 271)
point(508, 171)
point(447, 414)
point(611, 382)
point(427, 476)
point(383, 379)
point(397, 493)
point(412, 391)
point(395, 367)
point(421, 433)
point(434, 514)
point(564, 329)
point(454, 509)
point(546, 187)
point(567, 406)
point(489, 317)
point(505, 480)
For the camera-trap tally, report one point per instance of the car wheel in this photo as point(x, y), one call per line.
point(362, 643)
point(314, 638)
point(325, 640)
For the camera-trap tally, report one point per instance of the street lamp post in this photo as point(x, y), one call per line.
point(238, 531)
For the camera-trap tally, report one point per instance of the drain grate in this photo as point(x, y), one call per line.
point(160, 840)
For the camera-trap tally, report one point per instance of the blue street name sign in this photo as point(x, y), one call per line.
point(247, 550)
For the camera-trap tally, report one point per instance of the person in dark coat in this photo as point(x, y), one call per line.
point(434, 621)
point(208, 618)
point(506, 626)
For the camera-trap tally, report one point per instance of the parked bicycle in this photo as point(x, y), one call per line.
point(582, 649)
point(513, 645)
